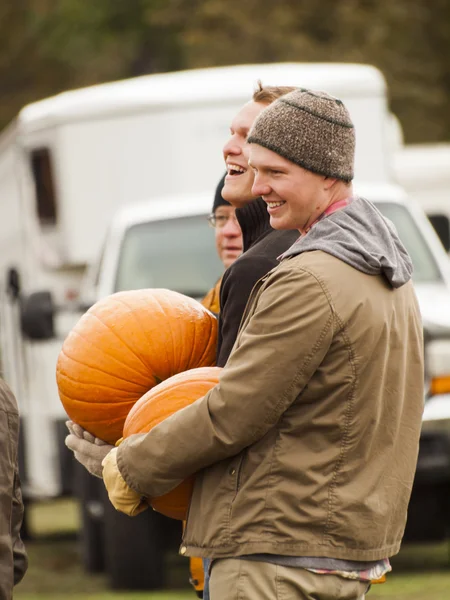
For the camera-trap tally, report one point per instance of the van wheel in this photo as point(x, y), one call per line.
point(134, 549)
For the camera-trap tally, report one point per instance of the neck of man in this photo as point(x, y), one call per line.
point(340, 197)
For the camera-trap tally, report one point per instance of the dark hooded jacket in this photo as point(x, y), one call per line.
point(262, 247)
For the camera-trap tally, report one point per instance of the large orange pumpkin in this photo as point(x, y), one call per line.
point(156, 405)
point(123, 346)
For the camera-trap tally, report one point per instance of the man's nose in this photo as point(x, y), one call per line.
point(231, 227)
point(259, 187)
point(231, 147)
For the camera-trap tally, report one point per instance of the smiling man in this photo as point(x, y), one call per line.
point(306, 450)
point(261, 244)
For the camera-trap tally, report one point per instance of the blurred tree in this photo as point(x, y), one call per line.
point(50, 45)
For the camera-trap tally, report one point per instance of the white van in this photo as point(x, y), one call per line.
point(165, 244)
point(423, 170)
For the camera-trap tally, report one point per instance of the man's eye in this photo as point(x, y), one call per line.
point(221, 219)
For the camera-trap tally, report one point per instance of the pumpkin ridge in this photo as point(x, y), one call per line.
point(119, 338)
point(183, 367)
point(174, 389)
point(172, 345)
point(188, 364)
point(99, 385)
point(179, 405)
point(83, 364)
point(76, 400)
point(143, 328)
point(111, 356)
point(184, 378)
point(210, 339)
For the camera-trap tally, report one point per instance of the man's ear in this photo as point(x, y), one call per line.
point(329, 182)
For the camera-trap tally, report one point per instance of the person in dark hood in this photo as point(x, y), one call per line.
point(228, 239)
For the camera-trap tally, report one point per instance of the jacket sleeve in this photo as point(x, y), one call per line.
point(13, 561)
point(20, 558)
point(237, 285)
point(278, 350)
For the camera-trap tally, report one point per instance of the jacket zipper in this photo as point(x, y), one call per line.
point(239, 471)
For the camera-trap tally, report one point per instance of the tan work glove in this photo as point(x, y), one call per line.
point(122, 497)
point(88, 449)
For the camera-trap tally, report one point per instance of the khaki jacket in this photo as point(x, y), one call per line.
point(308, 445)
point(13, 559)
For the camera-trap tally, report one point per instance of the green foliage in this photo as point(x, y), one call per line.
point(50, 45)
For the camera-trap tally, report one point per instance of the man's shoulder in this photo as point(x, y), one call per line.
point(270, 246)
point(259, 259)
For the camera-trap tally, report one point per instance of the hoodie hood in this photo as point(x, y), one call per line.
point(362, 237)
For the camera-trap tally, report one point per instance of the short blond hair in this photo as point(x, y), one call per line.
point(266, 94)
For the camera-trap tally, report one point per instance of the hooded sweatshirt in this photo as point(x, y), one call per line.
point(362, 237)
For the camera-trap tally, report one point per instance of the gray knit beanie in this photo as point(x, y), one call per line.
point(311, 129)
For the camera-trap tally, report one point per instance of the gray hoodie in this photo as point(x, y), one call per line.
point(362, 237)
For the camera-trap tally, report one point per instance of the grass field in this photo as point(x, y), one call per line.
point(55, 573)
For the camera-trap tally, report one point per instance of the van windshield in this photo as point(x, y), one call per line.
point(425, 267)
point(177, 254)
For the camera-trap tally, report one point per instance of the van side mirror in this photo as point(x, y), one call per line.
point(13, 286)
point(441, 224)
point(37, 316)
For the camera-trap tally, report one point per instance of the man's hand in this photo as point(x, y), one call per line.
point(122, 497)
point(88, 449)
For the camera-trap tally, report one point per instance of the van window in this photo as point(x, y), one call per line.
point(41, 166)
point(441, 224)
point(425, 267)
point(177, 254)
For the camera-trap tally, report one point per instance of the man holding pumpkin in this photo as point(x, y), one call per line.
point(306, 450)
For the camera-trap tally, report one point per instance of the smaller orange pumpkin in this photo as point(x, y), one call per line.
point(160, 402)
